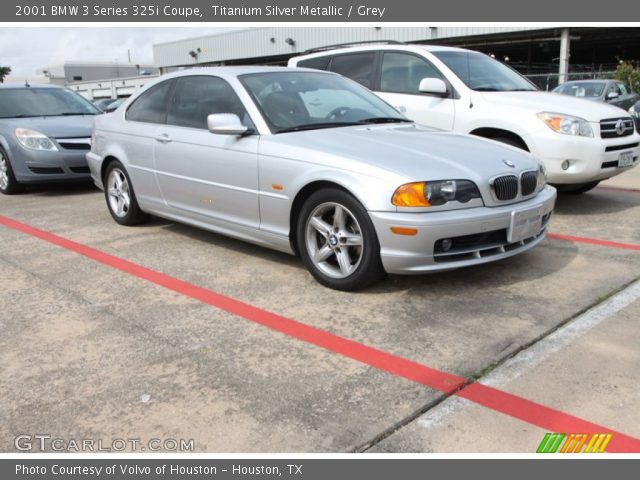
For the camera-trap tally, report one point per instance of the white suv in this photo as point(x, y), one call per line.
point(580, 142)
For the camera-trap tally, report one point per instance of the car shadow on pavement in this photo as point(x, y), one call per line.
point(62, 189)
point(596, 201)
point(533, 264)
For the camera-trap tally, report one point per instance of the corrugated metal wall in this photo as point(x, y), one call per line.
point(272, 41)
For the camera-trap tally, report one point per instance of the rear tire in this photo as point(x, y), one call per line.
point(337, 241)
point(577, 188)
point(121, 199)
point(8, 183)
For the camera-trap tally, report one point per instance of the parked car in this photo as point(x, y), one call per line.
point(104, 103)
point(613, 92)
point(580, 143)
point(312, 163)
point(45, 132)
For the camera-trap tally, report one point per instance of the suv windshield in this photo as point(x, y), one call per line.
point(42, 102)
point(291, 101)
point(482, 73)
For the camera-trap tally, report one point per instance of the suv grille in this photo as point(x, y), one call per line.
point(505, 187)
point(616, 127)
point(528, 183)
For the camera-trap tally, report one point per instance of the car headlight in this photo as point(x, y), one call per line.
point(35, 140)
point(633, 112)
point(566, 124)
point(427, 194)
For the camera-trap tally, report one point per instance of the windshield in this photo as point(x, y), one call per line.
point(582, 89)
point(38, 102)
point(483, 73)
point(291, 101)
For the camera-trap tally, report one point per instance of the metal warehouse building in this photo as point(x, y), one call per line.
point(546, 55)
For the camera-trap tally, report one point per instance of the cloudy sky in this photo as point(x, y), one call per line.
point(27, 50)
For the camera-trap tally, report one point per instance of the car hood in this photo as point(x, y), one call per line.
point(55, 127)
point(555, 103)
point(410, 151)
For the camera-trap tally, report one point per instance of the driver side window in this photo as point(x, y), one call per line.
point(402, 72)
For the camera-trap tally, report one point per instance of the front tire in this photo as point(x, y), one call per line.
point(8, 183)
point(337, 241)
point(121, 199)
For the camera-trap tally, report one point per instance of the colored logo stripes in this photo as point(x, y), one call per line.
point(574, 443)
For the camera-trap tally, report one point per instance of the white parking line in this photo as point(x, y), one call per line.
point(537, 353)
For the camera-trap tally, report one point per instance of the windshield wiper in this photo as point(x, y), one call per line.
point(314, 126)
point(487, 89)
point(385, 120)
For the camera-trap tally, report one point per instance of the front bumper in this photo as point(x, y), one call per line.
point(33, 166)
point(591, 159)
point(482, 234)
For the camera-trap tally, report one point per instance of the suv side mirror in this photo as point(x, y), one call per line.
point(433, 86)
point(226, 124)
point(612, 95)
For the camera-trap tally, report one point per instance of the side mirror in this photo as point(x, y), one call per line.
point(226, 124)
point(433, 86)
point(612, 95)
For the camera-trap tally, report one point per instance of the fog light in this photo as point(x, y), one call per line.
point(446, 244)
point(566, 164)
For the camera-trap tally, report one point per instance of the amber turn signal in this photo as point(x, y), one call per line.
point(410, 195)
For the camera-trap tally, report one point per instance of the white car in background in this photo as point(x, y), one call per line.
point(579, 142)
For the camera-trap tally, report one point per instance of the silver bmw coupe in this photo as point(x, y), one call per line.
point(311, 163)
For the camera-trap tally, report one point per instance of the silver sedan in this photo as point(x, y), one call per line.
point(311, 163)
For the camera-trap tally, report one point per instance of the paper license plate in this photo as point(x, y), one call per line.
point(625, 159)
point(524, 224)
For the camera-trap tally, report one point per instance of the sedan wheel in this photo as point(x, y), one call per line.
point(121, 199)
point(8, 183)
point(337, 241)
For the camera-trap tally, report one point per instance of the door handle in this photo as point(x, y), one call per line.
point(164, 138)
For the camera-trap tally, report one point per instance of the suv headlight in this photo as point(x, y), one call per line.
point(35, 140)
point(633, 112)
point(427, 194)
point(566, 124)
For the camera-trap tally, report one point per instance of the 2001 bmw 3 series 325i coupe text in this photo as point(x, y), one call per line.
point(312, 163)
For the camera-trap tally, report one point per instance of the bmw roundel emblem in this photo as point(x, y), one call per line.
point(509, 164)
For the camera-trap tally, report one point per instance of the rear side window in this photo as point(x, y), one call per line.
point(151, 106)
point(319, 63)
point(356, 66)
point(402, 72)
point(197, 97)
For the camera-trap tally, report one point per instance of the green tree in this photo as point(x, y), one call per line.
point(4, 71)
point(629, 74)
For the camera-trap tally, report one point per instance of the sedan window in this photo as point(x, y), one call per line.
point(197, 97)
point(151, 106)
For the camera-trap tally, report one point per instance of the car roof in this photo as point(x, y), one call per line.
point(383, 46)
point(6, 86)
point(590, 80)
point(235, 71)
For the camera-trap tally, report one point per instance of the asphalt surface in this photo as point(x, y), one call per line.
point(91, 352)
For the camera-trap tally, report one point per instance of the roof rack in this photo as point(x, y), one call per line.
point(352, 44)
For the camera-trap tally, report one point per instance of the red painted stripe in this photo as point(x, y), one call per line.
point(497, 400)
point(594, 241)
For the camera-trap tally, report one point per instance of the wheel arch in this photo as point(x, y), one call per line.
point(493, 133)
